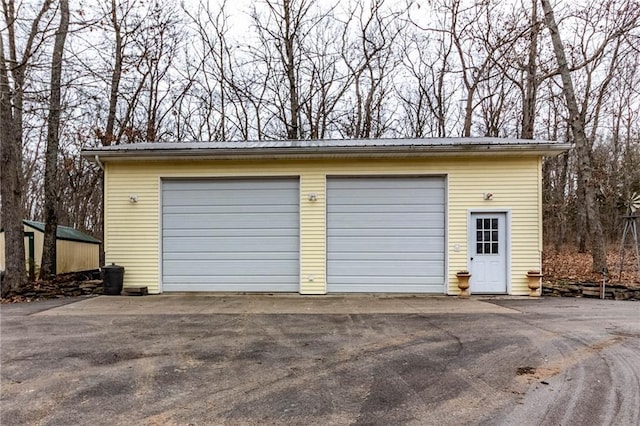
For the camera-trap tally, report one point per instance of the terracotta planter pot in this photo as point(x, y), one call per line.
point(463, 284)
point(535, 280)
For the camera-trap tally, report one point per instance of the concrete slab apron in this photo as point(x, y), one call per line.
point(267, 304)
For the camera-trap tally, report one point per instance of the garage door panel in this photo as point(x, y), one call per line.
point(378, 199)
point(384, 220)
point(377, 183)
point(259, 285)
point(222, 280)
point(220, 209)
point(231, 232)
point(231, 235)
point(419, 287)
point(376, 188)
point(379, 281)
point(265, 283)
point(372, 256)
point(396, 268)
point(382, 232)
point(227, 198)
point(386, 208)
point(214, 268)
point(391, 244)
point(240, 220)
point(226, 244)
point(273, 255)
point(230, 183)
point(385, 234)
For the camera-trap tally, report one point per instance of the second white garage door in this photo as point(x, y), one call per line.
point(230, 235)
point(385, 234)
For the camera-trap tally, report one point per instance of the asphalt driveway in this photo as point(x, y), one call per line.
point(320, 360)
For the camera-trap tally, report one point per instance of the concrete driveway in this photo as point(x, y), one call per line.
point(204, 359)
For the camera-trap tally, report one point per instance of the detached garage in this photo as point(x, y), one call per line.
point(331, 216)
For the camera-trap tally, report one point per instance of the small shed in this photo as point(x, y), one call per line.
point(75, 250)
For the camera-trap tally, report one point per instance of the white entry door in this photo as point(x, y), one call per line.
point(488, 253)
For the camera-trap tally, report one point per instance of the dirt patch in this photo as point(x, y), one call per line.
point(541, 373)
point(525, 370)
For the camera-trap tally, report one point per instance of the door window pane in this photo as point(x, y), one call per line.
point(487, 236)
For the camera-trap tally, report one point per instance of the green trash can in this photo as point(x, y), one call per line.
point(112, 277)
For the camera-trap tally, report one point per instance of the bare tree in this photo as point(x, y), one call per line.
point(426, 98)
point(51, 180)
point(116, 75)
point(13, 70)
point(371, 59)
point(577, 123)
point(531, 82)
point(282, 31)
point(207, 108)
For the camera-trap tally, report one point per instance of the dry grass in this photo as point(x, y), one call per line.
point(567, 264)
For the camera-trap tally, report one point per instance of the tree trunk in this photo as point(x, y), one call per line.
point(108, 137)
point(11, 188)
point(290, 66)
point(11, 176)
point(531, 85)
point(583, 148)
point(51, 180)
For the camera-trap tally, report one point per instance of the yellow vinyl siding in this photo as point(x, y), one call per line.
point(132, 229)
point(514, 185)
point(313, 238)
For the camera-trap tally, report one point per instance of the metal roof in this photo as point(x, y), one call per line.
point(64, 232)
point(328, 148)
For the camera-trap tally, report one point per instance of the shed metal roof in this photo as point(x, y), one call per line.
point(64, 232)
point(328, 148)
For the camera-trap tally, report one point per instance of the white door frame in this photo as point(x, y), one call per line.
point(470, 240)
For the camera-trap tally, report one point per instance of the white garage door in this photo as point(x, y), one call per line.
point(230, 235)
point(385, 234)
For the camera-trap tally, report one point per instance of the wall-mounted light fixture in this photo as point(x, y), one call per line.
point(133, 198)
point(313, 196)
point(488, 196)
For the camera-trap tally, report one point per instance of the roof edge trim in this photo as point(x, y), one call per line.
point(175, 152)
